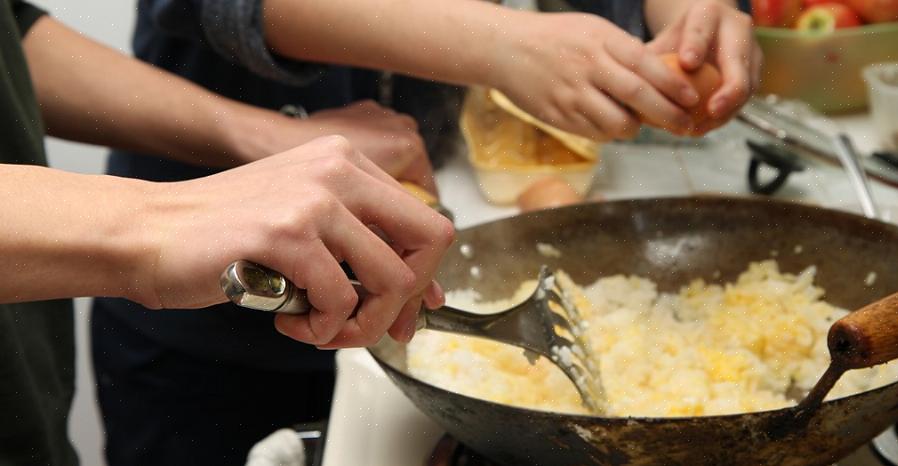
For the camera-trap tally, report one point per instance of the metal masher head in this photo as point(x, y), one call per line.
point(565, 338)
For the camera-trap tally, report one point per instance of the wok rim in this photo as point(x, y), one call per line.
point(703, 198)
point(577, 417)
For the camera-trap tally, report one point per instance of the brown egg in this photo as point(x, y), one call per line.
point(706, 80)
point(546, 193)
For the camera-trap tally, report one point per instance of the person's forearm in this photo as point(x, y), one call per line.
point(67, 235)
point(451, 41)
point(93, 94)
point(661, 13)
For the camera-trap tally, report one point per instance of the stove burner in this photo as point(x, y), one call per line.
point(449, 452)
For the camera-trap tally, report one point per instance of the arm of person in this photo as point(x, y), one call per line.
point(93, 94)
point(106, 98)
point(714, 31)
point(165, 245)
point(576, 71)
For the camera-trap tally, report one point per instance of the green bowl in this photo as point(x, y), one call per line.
point(824, 70)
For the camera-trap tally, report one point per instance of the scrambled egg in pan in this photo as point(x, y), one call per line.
point(752, 345)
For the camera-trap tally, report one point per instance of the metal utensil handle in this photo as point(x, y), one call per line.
point(255, 286)
point(850, 161)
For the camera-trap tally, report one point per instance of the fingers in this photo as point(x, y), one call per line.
point(611, 118)
point(434, 297)
point(335, 193)
point(353, 335)
point(629, 88)
point(734, 58)
point(565, 115)
point(649, 71)
point(420, 232)
point(699, 29)
point(408, 222)
point(413, 228)
point(404, 328)
point(709, 31)
point(362, 194)
point(390, 283)
point(329, 291)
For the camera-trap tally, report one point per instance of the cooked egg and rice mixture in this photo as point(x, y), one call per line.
point(707, 350)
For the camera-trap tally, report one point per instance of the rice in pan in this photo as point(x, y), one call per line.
point(707, 350)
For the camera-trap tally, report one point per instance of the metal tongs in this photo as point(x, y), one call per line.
point(837, 149)
point(852, 163)
point(547, 323)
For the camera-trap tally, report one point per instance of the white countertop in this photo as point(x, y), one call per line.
point(373, 424)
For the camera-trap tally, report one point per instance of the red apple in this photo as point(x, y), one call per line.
point(775, 13)
point(827, 18)
point(811, 3)
point(875, 11)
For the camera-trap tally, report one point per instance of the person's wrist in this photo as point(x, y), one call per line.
point(509, 43)
point(250, 133)
point(129, 239)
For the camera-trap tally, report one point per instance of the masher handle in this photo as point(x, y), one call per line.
point(255, 286)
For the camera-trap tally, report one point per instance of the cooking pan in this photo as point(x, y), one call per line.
point(670, 241)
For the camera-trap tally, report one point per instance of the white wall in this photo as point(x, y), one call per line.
point(110, 22)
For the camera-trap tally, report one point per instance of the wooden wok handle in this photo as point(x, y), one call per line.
point(866, 337)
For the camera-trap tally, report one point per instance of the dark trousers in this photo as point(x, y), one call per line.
point(162, 407)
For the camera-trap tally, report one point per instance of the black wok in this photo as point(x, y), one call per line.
point(670, 241)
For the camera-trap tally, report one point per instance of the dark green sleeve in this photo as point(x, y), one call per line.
point(26, 15)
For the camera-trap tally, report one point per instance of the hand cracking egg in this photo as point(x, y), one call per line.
point(706, 80)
